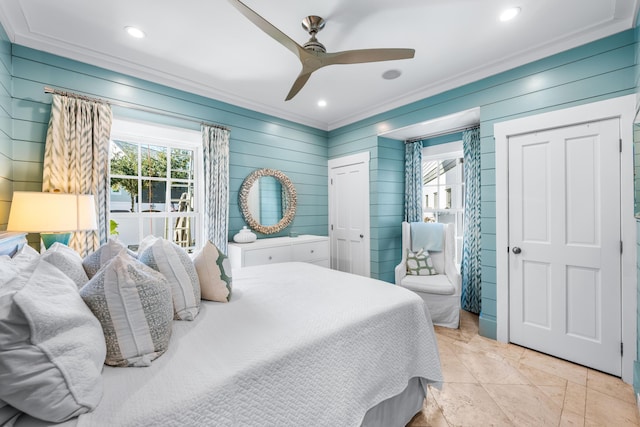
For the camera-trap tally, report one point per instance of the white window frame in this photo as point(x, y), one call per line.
point(450, 150)
point(166, 136)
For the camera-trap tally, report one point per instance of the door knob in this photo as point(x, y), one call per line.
point(516, 250)
point(362, 236)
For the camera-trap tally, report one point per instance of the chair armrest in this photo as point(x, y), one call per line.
point(454, 276)
point(401, 271)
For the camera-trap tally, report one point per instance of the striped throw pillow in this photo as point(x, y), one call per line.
point(134, 307)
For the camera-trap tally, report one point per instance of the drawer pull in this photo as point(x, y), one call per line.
point(311, 250)
point(270, 257)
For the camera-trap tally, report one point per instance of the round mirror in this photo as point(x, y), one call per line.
point(267, 201)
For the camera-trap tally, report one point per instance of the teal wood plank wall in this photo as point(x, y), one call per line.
point(6, 130)
point(599, 70)
point(257, 140)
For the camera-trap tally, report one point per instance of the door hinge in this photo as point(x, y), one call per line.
point(621, 349)
point(507, 249)
point(621, 145)
point(331, 181)
point(620, 246)
point(331, 227)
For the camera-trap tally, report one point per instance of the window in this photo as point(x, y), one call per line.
point(155, 174)
point(443, 183)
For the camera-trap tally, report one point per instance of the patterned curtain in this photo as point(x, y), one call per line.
point(215, 142)
point(76, 160)
point(471, 270)
point(413, 181)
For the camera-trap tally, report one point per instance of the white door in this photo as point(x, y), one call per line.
point(349, 214)
point(564, 238)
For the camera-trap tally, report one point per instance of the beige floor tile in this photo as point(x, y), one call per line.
point(491, 368)
point(469, 405)
point(508, 351)
point(539, 377)
point(575, 398)
point(610, 385)
point(488, 383)
point(453, 370)
point(455, 334)
point(525, 405)
point(555, 393)
point(558, 367)
point(569, 419)
point(430, 416)
point(604, 410)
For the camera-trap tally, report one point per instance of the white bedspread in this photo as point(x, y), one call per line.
point(298, 345)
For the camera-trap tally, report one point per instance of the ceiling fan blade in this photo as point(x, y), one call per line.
point(299, 83)
point(268, 28)
point(366, 55)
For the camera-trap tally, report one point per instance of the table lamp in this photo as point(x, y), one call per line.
point(54, 215)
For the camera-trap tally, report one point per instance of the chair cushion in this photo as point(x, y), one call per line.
point(436, 284)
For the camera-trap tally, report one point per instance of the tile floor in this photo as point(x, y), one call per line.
point(488, 383)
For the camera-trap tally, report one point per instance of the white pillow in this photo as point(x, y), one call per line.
point(8, 270)
point(51, 346)
point(133, 304)
point(174, 263)
point(25, 255)
point(68, 261)
point(95, 261)
point(214, 273)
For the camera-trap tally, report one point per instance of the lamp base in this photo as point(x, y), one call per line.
point(50, 238)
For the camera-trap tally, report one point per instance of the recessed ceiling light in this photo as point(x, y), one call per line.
point(135, 32)
point(391, 74)
point(509, 14)
point(322, 103)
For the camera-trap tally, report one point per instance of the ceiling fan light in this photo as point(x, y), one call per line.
point(509, 14)
point(135, 32)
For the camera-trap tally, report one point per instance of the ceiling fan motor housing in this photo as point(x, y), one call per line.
point(312, 24)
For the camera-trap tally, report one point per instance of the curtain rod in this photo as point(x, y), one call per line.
point(445, 132)
point(132, 106)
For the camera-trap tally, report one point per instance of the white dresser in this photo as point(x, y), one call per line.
point(305, 248)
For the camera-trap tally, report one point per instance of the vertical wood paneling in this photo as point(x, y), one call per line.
point(257, 140)
point(599, 70)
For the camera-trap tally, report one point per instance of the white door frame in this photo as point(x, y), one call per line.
point(352, 159)
point(623, 108)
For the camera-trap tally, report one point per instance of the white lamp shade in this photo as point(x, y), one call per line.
point(86, 212)
point(36, 212)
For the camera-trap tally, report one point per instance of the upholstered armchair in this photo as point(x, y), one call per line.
point(441, 292)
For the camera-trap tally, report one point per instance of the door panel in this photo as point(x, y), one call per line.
point(564, 215)
point(349, 218)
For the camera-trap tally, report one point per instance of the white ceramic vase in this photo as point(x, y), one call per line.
point(245, 236)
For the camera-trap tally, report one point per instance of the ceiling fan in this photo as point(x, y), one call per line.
point(313, 54)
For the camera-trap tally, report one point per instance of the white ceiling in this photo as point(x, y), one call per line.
point(209, 48)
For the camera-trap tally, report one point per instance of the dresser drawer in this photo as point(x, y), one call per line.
point(267, 256)
point(311, 251)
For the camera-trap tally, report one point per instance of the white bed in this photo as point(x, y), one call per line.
point(298, 345)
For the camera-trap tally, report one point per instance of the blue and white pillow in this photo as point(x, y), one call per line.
point(176, 266)
point(134, 306)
